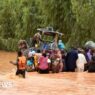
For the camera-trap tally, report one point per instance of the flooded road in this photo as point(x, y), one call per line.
point(47, 84)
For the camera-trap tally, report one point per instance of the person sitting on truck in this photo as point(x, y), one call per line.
point(61, 45)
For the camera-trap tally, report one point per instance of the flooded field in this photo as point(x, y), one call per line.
point(48, 84)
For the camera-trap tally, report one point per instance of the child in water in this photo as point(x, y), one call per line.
point(21, 64)
point(30, 62)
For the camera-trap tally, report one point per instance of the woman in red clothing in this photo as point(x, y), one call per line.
point(43, 66)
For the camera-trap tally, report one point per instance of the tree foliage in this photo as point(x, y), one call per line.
point(19, 19)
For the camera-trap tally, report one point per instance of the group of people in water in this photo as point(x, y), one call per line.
point(54, 61)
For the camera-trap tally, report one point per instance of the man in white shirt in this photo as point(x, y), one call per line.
point(81, 61)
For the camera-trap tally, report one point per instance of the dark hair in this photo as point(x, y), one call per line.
point(38, 51)
point(44, 54)
point(19, 53)
point(86, 50)
point(93, 58)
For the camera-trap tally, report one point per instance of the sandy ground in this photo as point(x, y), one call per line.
point(47, 84)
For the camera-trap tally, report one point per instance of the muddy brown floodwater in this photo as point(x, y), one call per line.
point(47, 84)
